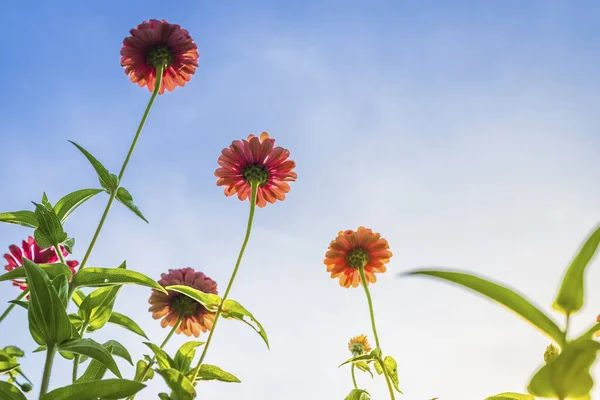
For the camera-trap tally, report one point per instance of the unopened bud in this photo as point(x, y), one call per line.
point(551, 353)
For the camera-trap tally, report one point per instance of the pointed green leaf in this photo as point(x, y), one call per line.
point(358, 394)
point(97, 306)
point(163, 360)
point(164, 396)
point(178, 383)
point(61, 285)
point(52, 270)
point(49, 231)
point(234, 310)
point(127, 323)
point(96, 370)
point(363, 366)
point(10, 392)
point(23, 218)
point(78, 297)
point(14, 351)
point(511, 396)
point(107, 180)
point(373, 355)
point(6, 366)
point(48, 320)
point(568, 375)
point(69, 244)
point(209, 300)
point(213, 373)
point(185, 355)
point(105, 389)
point(125, 198)
point(65, 206)
point(502, 295)
point(98, 277)
point(570, 296)
point(91, 349)
point(118, 349)
point(391, 370)
point(20, 303)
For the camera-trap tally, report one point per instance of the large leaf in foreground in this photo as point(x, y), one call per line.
point(98, 277)
point(178, 383)
point(106, 389)
point(503, 296)
point(10, 392)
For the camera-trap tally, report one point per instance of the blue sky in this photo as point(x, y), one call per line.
point(465, 132)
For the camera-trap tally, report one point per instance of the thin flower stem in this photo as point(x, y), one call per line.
point(77, 356)
point(12, 305)
point(145, 371)
point(230, 284)
point(50, 351)
point(60, 255)
point(363, 280)
point(354, 377)
point(111, 199)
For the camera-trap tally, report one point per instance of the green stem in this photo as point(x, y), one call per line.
point(145, 371)
point(230, 284)
point(59, 253)
point(76, 359)
point(567, 323)
point(363, 280)
point(354, 377)
point(159, 74)
point(12, 305)
point(50, 351)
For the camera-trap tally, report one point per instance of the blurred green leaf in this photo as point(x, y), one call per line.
point(107, 180)
point(511, 396)
point(91, 349)
point(10, 392)
point(48, 320)
point(23, 218)
point(234, 310)
point(391, 369)
point(363, 366)
point(78, 297)
point(14, 351)
point(127, 323)
point(568, 375)
point(52, 270)
point(164, 396)
point(185, 355)
point(503, 296)
point(125, 198)
point(163, 360)
point(98, 277)
point(49, 231)
point(105, 389)
point(373, 355)
point(140, 367)
point(570, 296)
point(209, 300)
point(97, 306)
point(178, 383)
point(6, 366)
point(61, 285)
point(358, 394)
point(213, 373)
point(20, 303)
point(65, 206)
point(69, 244)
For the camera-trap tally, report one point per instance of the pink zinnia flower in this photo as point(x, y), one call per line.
point(256, 159)
point(157, 43)
point(30, 250)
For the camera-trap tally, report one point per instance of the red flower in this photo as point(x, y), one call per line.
point(195, 317)
point(30, 250)
point(154, 43)
point(350, 250)
point(256, 159)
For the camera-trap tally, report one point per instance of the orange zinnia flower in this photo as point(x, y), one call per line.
point(195, 317)
point(359, 345)
point(157, 43)
point(256, 159)
point(351, 250)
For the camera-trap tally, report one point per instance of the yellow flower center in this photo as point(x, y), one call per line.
point(256, 173)
point(357, 258)
point(159, 56)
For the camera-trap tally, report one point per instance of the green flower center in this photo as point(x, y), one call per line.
point(357, 258)
point(357, 349)
point(185, 306)
point(159, 56)
point(256, 173)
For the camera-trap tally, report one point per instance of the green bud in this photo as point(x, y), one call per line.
point(26, 387)
point(551, 353)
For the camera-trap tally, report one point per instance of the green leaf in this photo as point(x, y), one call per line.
point(125, 198)
point(65, 206)
point(185, 355)
point(105, 389)
point(373, 355)
point(363, 366)
point(48, 320)
point(213, 373)
point(163, 360)
point(14, 351)
point(23, 218)
point(178, 383)
point(209, 300)
point(107, 180)
point(61, 285)
point(391, 370)
point(568, 375)
point(96, 370)
point(118, 349)
point(97, 306)
point(78, 297)
point(358, 394)
point(69, 244)
point(6, 366)
point(234, 310)
point(164, 396)
point(570, 296)
point(504, 296)
point(98, 277)
point(52, 270)
point(21, 303)
point(49, 231)
point(91, 349)
point(378, 368)
point(10, 392)
point(511, 396)
point(127, 323)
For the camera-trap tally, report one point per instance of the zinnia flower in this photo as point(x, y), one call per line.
point(157, 43)
point(195, 317)
point(256, 159)
point(351, 250)
point(359, 345)
point(30, 250)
